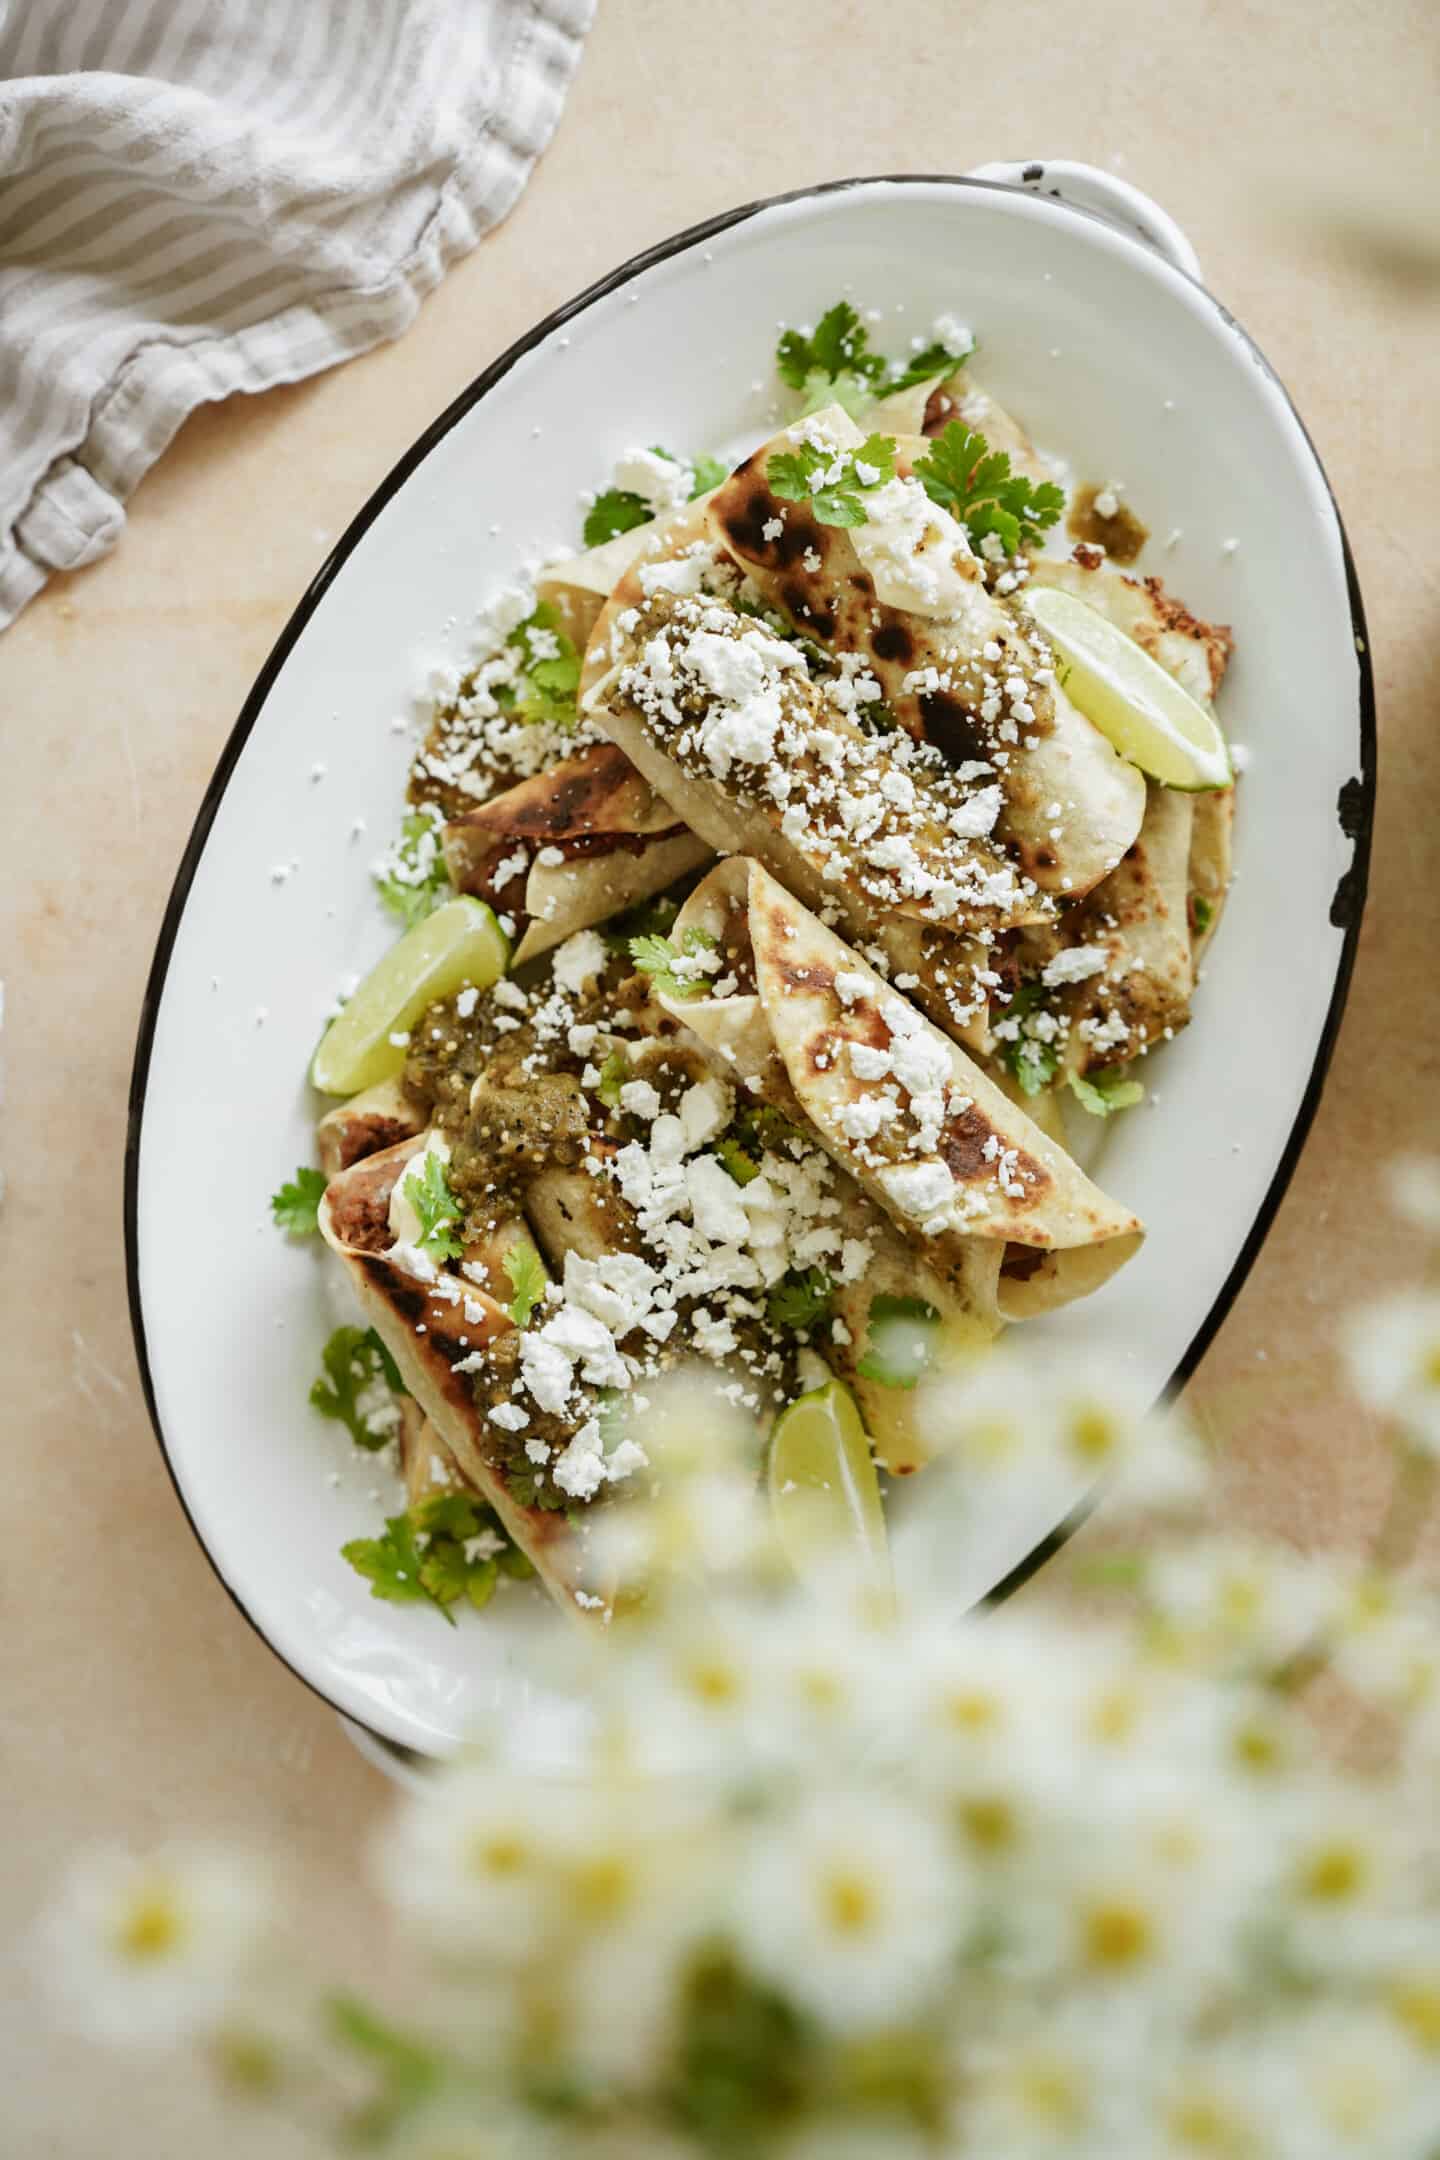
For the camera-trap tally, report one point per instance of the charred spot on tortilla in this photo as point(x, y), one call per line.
point(803, 603)
point(862, 582)
point(893, 641)
point(951, 727)
point(964, 1140)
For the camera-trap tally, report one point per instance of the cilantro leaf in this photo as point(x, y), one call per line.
point(351, 1390)
point(709, 472)
point(428, 1192)
point(832, 482)
point(965, 476)
point(1033, 1061)
point(657, 957)
point(733, 1158)
point(801, 1299)
point(935, 360)
point(1110, 1090)
point(902, 1335)
point(1202, 912)
point(617, 510)
point(839, 346)
point(549, 668)
point(296, 1207)
point(413, 879)
point(423, 1554)
point(528, 1281)
point(613, 1075)
point(390, 1564)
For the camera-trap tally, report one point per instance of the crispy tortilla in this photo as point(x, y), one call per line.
point(1140, 919)
point(1009, 1184)
point(814, 576)
point(1195, 652)
point(619, 842)
point(429, 1330)
point(1210, 870)
point(579, 585)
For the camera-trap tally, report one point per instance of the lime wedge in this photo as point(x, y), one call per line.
point(460, 943)
point(824, 1494)
point(1129, 697)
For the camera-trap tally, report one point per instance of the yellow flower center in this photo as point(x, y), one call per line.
point(1051, 2094)
point(1430, 1364)
point(151, 1926)
point(1204, 2124)
point(972, 1711)
point(713, 1682)
point(1094, 1433)
point(822, 1690)
point(850, 1904)
point(1117, 1935)
point(1114, 1716)
point(603, 1886)
point(1257, 1748)
point(1333, 1873)
point(503, 1852)
point(989, 1823)
point(1416, 2004)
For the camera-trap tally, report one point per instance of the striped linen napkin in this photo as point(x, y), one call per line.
point(205, 196)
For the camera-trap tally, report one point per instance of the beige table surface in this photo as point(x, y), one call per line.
point(134, 1698)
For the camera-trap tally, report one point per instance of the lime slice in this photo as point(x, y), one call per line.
point(460, 943)
point(824, 1493)
point(1129, 697)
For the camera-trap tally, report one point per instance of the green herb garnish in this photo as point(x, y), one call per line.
point(416, 880)
point(656, 957)
point(617, 510)
point(835, 495)
point(1202, 911)
point(1033, 1061)
point(528, 1281)
point(1109, 1091)
point(733, 1158)
point(709, 472)
point(358, 1367)
point(801, 1299)
point(902, 1336)
point(614, 1073)
point(934, 361)
point(549, 669)
point(296, 1207)
point(437, 1207)
point(965, 476)
point(422, 1555)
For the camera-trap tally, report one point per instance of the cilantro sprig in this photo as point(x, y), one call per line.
point(833, 482)
point(801, 1299)
point(834, 364)
point(528, 1282)
point(358, 1369)
point(614, 1073)
point(449, 1547)
point(428, 1191)
point(657, 958)
point(296, 1206)
point(964, 475)
point(549, 671)
point(413, 880)
point(902, 1334)
point(1032, 1060)
point(620, 510)
point(1109, 1090)
point(734, 1160)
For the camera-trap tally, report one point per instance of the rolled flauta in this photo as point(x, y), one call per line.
point(1210, 865)
point(570, 847)
point(926, 1134)
point(431, 1329)
point(579, 585)
point(955, 664)
point(376, 1118)
point(821, 861)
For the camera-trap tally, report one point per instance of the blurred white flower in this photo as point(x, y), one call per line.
point(1387, 1648)
point(852, 1905)
point(1081, 1417)
point(1239, 1603)
point(1349, 1893)
point(149, 1950)
point(1412, 1183)
point(1393, 1354)
point(1342, 2082)
point(470, 1858)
